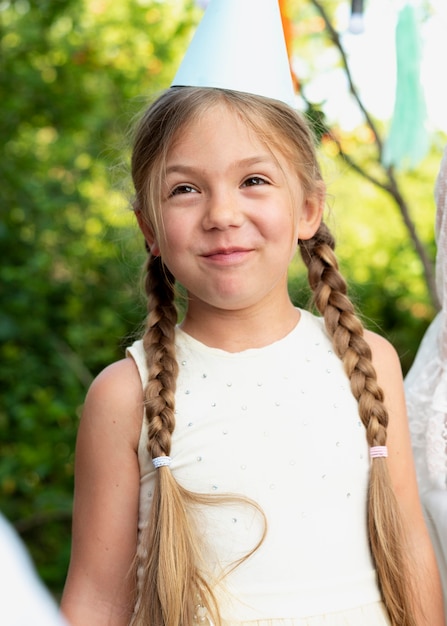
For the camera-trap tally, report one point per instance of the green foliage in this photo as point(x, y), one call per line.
point(74, 74)
point(384, 274)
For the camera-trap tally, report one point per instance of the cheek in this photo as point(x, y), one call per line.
point(174, 236)
point(282, 224)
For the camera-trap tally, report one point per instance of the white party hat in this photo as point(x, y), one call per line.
point(239, 45)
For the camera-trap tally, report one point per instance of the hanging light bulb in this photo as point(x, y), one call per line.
point(356, 25)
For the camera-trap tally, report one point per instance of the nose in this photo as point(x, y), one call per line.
point(222, 210)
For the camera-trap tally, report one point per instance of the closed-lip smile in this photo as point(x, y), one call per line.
point(226, 255)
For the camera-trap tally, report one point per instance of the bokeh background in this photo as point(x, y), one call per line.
point(74, 75)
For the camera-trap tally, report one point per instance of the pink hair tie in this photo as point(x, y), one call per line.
point(160, 461)
point(378, 451)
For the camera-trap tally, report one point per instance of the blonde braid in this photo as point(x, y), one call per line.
point(346, 330)
point(172, 585)
point(159, 347)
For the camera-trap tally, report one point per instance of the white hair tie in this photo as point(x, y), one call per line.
point(378, 451)
point(160, 461)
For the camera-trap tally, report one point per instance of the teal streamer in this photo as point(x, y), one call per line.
point(407, 142)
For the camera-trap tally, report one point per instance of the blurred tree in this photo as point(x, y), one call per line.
point(384, 214)
point(375, 169)
point(73, 74)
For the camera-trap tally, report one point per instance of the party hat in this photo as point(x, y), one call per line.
point(239, 45)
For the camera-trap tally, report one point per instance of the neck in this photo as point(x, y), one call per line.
point(234, 331)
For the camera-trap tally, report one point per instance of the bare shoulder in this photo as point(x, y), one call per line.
point(117, 377)
point(384, 354)
point(379, 345)
point(389, 376)
point(115, 401)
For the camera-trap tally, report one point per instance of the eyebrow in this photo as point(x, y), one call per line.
point(248, 162)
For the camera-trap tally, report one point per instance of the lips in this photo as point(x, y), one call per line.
point(227, 255)
point(224, 251)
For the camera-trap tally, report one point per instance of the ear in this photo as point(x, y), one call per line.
point(312, 212)
point(148, 233)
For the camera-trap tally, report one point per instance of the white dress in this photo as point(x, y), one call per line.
point(277, 424)
point(426, 392)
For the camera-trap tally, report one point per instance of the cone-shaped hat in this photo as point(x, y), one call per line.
point(239, 45)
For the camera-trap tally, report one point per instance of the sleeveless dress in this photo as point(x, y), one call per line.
point(280, 426)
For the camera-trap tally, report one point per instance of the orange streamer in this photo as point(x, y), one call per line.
point(287, 25)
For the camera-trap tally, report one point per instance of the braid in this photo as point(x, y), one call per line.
point(172, 586)
point(159, 348)
point(346, 330)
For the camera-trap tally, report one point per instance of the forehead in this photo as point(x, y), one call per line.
point(223, 129)
point(212, 118)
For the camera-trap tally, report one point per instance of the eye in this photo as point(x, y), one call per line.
point(182, 189)
point(254, 181)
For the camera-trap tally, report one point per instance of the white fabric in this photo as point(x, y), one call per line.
point(23, 598)
point(426, 391)
point(280, 425)
point(426, 382)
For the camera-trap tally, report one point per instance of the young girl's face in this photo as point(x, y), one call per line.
point(232, 212)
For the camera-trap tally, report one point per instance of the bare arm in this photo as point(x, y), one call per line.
point(99, 589)
point(403, 476)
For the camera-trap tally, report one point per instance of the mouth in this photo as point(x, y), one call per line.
point(227, 255)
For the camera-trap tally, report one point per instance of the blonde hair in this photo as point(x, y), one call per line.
point(174, 581)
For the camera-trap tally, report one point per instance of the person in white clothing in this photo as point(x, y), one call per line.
point(24, 600)
point(249, 463)
point(426, 392)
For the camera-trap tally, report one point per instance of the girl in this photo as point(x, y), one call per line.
point(271, 479)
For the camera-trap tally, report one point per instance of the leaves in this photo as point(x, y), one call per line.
point(73, 75)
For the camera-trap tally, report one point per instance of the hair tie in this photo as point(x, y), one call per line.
point(378, 451)
point(160, 461)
